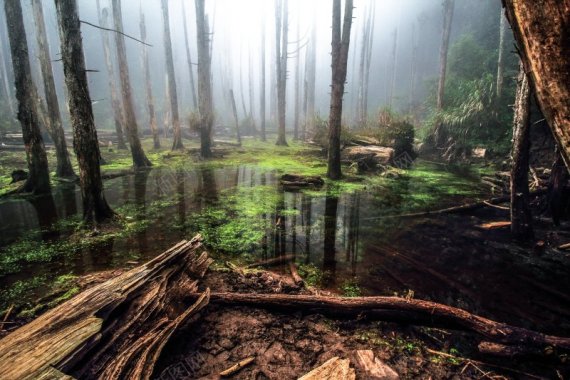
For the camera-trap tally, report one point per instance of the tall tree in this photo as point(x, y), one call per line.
point(236, 120)
point(38, 177)
point(85, 142)
point(311, 79)
point(148, 85)
point(521, 218)
point(297, 84)
point(5, 79)
point(54, 124)
point(115, 101)
point(171, 79)
point(139, 158)
point(262, 84)
point(340, 46)
point(501, 59)
point(204, 80)
point(281, 40)
point(188, 56)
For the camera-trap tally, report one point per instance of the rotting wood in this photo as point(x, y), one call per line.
point(333, 369)
point(400, 310)
point(373, 367)
point(114, 330)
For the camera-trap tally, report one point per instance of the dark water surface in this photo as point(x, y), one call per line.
point(353, 241)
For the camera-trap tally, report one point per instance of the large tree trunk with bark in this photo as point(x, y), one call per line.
point(115, 101)
point(54, 125)
point(541, 29)
point(148, 86)
point(340, 47)
point(85, 142)
point(204, 80)
point(521, 218)
point(114, 330)
point(189, 57)
point(38, 177)
point(282, 40)
point(139, 158)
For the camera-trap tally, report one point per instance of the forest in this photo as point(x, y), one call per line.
point(284, 189)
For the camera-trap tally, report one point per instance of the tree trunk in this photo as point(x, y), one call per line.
point(115, 101)
point(262, 86)
point(5, 80)
point(114, 330)
point(282, 39)
point(139, 158)
point(204, 81)
point(171, 79)
point(189, 57)
point(85, 142)
point(541, 29)
point(148, 85)
point(297, 86)
point(340, 47)
point(38, 178)
point(501, 59)
point(521, 218)
point(394, 69)
point(236, 120)
point(311, 80)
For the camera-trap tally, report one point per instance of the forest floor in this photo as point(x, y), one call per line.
point(287, 346)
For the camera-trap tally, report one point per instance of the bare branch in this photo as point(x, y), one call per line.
point(115, 31)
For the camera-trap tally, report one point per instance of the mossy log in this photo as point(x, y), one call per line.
point(294, 182)
point(114, 330)
point(399, 310)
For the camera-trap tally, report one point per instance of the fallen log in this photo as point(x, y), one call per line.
point(279, 260)
point(399, 310)
point(296, 182)
point(114, 330)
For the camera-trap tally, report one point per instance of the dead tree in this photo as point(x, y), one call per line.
point(5, 80)
point(85, 142)
point(236, 120)
point(501, 59)
point(521, 218)
point(281, 40)
point(311, 78)
point(204, 80)
point(54, 125)
point(364, 65)
point(262, 85)
point(38, 178)
point(148, 85)
point(297, 85)
point(544, 54)
point(139, 158)
point(115, 101)
point(188, 56)
point(340, 46)
point(394, 70)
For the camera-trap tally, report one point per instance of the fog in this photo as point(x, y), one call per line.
point(237, 29)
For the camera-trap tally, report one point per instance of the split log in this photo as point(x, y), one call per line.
point(333, 369)
point(397, 309)
point(114, 330)
point(373, 367)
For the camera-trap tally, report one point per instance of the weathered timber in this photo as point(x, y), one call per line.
point(333, 369)
point(400, 310)
point(114, 330)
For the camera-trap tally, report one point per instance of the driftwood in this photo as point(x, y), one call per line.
point(114, 330)
point(400, 310)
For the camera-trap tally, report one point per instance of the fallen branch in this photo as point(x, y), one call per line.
point(115, 31)
point(236, 367)
point(400, 310)
point(298, 279)
point(273, 261)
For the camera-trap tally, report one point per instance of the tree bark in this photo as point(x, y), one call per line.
point(521, 218)
point(394, 69)
point(262, 86)
point(188, 56)
point(297, 86)
point(38, 177)
point(282, 40)
point(311, 80)
point(204, 80)
point(340, 47)
point(501, 59)
point(85, 142)
point(54, 125)
point(541, 29)
point(139, 158)
point(236, 120)
point(5, 80)
point(115, 101)
point(114, 330)
point(148, 85)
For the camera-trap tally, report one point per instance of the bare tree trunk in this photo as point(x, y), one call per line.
point(148, 85)
point(85, 143)
point(538, 27)
point(297, 86)
point(236, 120)
point(394, 68)
point(115, 101)
point(204, 80)
point(521, 218)
point(38, 178)
point(139, 158)
point(282, 40)
point(189, 57)
point(414, 68)
point(262, 86)
point(501, 60)
point(368, 63)
point(340, 46)
point(171, 79)
point(311, 80)
point(6, 80)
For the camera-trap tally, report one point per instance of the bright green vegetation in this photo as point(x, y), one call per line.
point(374, 337)
point(312, 275)
point(350, 288)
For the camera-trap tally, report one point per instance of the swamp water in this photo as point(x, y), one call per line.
point(347, 239)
